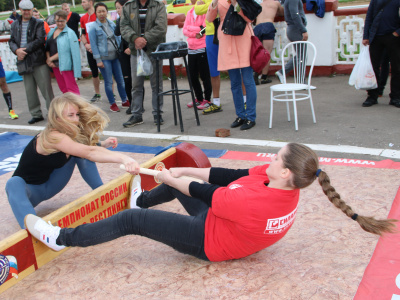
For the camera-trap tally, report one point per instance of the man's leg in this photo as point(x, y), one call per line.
point(393, 47)
point(375, 50)
point(137, 88)
point(153, 83)
point(32, 96)
point(43, 79)
point(269, 45)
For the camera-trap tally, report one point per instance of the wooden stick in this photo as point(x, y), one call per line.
point(154, 173)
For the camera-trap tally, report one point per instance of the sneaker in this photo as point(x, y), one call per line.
point(204, 104)
point(255, 75)
point(12, 115)
point(42, 231)
point(35, 120)
point(212, 108)
point(280, 76)
point(156, 121)
point(190, 104)
point(265, 79)
point(96, 97)
point(395, 102)
point(369, 102)
point(247, 125)
point(136, 190)
point(114, 107)
point(126, 104)
point(238, 122)
point(134, 120)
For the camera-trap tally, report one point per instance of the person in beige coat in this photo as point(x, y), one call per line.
point(234, 56)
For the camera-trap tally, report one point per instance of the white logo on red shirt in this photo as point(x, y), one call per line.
point(235, 186)
point(278, 225)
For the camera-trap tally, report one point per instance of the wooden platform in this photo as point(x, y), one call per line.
point(323, 256)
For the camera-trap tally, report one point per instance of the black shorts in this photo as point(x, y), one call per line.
point(265, 31)
point(92, 64)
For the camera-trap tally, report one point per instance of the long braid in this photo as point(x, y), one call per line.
point(369, 224)
point(304, 165)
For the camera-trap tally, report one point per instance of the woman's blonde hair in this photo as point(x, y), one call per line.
point(92, 121)
point(304, 165)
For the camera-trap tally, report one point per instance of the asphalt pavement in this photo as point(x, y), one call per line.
point(344, 128)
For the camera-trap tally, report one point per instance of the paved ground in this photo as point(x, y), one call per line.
point(341, 121)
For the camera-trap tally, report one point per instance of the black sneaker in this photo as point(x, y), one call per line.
point(35, 120)
point(156, 121)
point(369, 102)
point(237, 122)
point(247, 125)
point(134, 120)
point(265, 79)
point(96, 97)
point(395, 102)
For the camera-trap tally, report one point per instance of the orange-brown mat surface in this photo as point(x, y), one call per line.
point(323, 256)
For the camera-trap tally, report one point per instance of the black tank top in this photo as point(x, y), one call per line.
point(36, 168)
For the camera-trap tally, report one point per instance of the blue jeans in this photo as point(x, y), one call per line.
point(113, 67)
point(23, 197)
point(184, 233)
point(236, 76)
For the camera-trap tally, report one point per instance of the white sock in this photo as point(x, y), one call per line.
point(244, 98)
point(217, 101)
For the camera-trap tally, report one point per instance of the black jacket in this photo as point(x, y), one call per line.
point(124, 44)
point(234, 24)
point(35, 40)
point(251, 9)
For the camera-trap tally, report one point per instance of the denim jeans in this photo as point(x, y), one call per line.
point(23, 197)
point(184, 233)
point(113, 67)
point(236, 76)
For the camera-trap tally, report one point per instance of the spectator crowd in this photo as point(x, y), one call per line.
point(214, 45)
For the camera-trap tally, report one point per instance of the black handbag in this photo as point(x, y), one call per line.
point(233, 24)
point(118, 50)
point(24, 66)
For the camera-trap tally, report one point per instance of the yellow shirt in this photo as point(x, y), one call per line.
point(202, 10)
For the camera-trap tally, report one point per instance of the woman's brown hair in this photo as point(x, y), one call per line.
point(304, 165)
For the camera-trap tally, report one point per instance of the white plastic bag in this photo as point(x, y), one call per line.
point(144, 66)
point(363, 76)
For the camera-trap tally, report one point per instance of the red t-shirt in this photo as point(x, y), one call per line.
point(86, 19)
point(248, 216)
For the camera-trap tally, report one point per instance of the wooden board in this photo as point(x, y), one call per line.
point(21, 254)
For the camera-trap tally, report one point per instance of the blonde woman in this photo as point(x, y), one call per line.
point(71, 137)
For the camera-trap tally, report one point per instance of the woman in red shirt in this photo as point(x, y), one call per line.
point(238, 213)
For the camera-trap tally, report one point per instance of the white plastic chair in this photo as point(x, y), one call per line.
point(303, 53)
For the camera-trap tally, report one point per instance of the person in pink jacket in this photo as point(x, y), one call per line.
point(234, 56)
point(194, 29)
